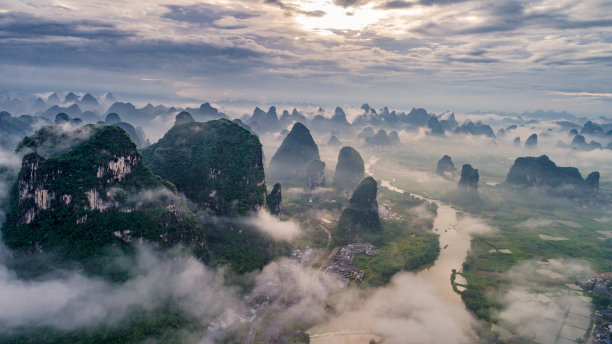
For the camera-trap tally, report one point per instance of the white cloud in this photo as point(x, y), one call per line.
point(72, 300)
point(538, 306)
point(273, 226)
point(499, 56)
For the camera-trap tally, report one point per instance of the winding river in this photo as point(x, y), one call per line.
point(417, 307)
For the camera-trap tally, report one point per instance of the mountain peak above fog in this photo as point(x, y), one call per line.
point(71, 98)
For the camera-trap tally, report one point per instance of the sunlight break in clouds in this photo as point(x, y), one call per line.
point(336, 17)
point(424, 53)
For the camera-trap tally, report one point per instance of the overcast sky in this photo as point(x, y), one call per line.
point(439, 54)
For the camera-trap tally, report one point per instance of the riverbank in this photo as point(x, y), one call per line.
point(422, 302)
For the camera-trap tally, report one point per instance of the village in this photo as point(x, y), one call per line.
point(600, 287)
point(341, 264)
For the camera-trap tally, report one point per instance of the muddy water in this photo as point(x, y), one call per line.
point(454, 244)
point(433, 297)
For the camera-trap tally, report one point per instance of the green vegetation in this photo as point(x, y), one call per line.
point(601, 302)
point(74, 228)
point(469, 177)
point(241, 246)
point(542, 172)
point(360, 220)
point(217, 164)
point(399, 251)
point(297, 207)
point(522, 221)
point(509, 212)
point(406, 242)
point(275, 199)
point(56, 230)
point(51, 140)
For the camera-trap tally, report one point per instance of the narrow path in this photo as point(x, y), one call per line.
point(329, 236)
point(327, 337)
point(343, 333)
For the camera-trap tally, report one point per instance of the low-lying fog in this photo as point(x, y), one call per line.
point(413, 308)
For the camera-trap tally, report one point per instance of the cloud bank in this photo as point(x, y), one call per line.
point(293, 49)
point(273, 226)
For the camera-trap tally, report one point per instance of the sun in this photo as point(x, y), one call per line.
point(337, 17)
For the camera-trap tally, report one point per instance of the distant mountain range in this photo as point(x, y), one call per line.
point(85, 107)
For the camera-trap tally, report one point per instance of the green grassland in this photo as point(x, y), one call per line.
point(406, 240)
point(409, 252)
point(522, 219)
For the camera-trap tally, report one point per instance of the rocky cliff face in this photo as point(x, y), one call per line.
point(446, 168)
point(349, 169)
point(37, 185)
point(294, 154)
point(543, 173)
point(315, 174)
point(469, 178)
point(217, 164)
point(45, 181)
point(69, 198)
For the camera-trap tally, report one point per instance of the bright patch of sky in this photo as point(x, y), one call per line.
point(337, 17)
point(511, 55)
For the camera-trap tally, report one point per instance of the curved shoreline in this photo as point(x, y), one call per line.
point(455, 243)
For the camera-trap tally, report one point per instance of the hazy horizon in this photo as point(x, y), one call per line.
point(438, 54)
